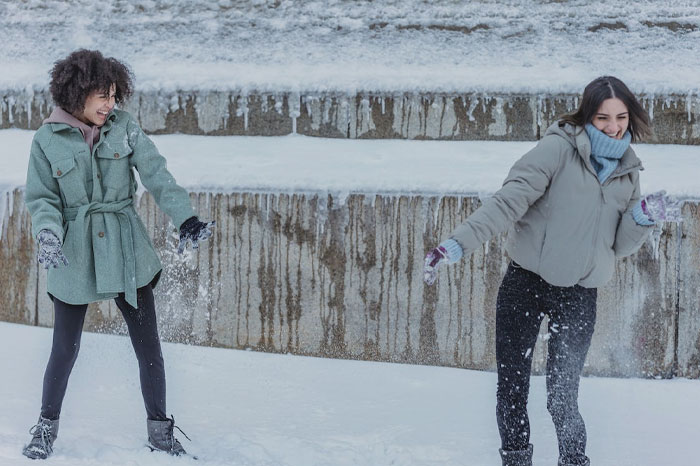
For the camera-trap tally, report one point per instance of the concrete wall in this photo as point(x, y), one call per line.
point(689, 295)
point(342, 277)
point(676, 118)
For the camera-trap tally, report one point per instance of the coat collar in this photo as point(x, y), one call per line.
point(56, 127)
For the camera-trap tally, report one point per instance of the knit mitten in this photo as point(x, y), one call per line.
point(660, 207)
point(50, 250)
point(432, 260)
point(193, 231)
point(448, 252)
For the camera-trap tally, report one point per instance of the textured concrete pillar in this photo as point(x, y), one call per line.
point(18, 274)
point(689, 294)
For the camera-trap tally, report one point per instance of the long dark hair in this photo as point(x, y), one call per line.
point(609, 87)
point(82, 72)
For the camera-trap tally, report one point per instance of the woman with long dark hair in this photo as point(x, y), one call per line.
point(79, 192)
point(571, 205)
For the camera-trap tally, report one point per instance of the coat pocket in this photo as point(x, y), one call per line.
point(62, 167)
point(115, 169)
point(69, 181)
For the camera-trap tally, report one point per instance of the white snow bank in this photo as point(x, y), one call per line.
point(300, 163)
point(349, 46)
point(246, 408)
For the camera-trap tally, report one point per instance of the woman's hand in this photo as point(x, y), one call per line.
point(660, 207)
point(193, 231)
point(50, 250)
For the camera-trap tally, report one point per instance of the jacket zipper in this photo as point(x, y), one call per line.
point(595, 231)
point(600, 208)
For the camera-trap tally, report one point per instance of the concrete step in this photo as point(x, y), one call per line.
point(469, 116)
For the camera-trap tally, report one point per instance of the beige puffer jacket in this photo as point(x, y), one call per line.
point(563, 224)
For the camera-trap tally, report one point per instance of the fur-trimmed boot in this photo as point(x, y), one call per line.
point(517, 457)
point(43, 435)
point(162, 438)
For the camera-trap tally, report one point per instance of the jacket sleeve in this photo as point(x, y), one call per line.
point(631, 235)
point(171, 198)
point(42, 195)
point(527, 181)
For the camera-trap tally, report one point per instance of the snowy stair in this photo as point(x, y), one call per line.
point(481, 70)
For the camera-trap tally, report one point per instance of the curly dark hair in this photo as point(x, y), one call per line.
point(82, 72)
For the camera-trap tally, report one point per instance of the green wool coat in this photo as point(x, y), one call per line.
point(86, 199)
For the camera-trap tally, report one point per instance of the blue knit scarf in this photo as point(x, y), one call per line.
point(606, 152)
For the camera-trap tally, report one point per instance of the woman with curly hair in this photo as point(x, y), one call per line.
point(79, 192)
point(571, 205)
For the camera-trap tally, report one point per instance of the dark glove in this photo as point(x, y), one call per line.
point(50, 250)
point(193, 231)
point(660, 207)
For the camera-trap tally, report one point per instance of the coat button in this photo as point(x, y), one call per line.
point(101, 234)
point(59, 173)
point(116, 155)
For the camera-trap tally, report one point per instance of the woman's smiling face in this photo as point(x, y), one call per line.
point(612, 118)
point(97, 106)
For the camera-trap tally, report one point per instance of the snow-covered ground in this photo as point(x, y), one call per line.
point(246, 408)
point(350, 46)
point(301, 163)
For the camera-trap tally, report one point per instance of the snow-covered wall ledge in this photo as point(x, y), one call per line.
point(468, 116)
point(340, 276)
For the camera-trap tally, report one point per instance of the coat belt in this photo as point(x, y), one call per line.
point(81, 215)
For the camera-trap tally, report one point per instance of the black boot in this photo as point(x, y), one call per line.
point(43, 435)
point(160, 437)
point(517, 457)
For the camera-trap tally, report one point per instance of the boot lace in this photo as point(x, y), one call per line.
point(172, 437)
point(43, 431)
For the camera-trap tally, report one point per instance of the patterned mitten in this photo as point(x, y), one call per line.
point(432, 261)
point(50, 250)
point(660, 207)
point(193, 231)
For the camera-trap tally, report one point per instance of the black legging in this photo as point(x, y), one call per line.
point(143, 330)
point(524, 298)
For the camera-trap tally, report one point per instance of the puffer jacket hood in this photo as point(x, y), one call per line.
point(562, 223)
